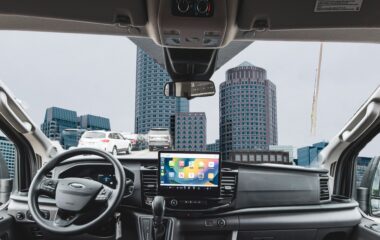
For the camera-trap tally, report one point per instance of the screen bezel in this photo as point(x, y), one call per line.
point(192, 193)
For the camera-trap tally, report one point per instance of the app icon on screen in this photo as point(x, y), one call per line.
point(201, 175)
point(181, 163)
point(191, 164)
point(191, 175)
point(171, 174)
point(201, 164)
point(210, 176)
point(181, 175)
point(211, 164)
point(171, 163)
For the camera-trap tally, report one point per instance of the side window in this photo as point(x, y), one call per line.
point(8, 156)
point(375, 194)
point(368, 175)
point(111, 136)
point(370, 151)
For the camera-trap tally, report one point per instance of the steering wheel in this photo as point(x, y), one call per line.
point(75, 197)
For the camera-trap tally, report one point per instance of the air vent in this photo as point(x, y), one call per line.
point(228, 184)
point(324, 193)
point(149, 184)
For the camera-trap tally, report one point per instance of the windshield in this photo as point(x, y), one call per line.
point(275, 102)
point(94, 135)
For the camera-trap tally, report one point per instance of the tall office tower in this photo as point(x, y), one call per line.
point(189, 132)
point(213, 147)
point(8, 153)
point(247, 110)
point(152, 108)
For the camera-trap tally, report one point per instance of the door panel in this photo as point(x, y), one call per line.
point(6, 226)
point(365, 232)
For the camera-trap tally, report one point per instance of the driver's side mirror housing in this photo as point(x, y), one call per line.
point(371, 182)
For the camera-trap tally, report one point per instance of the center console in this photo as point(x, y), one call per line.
point(189, 180)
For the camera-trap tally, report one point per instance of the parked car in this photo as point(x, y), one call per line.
point(159, 138)
point(138, 140)
point(112, 142)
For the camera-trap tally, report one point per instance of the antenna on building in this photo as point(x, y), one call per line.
point(314, 109)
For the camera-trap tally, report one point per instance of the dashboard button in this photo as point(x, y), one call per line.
point(210, 222)
point(20, 216)
point(173, 202)
point(183, 6)
point(221, 222)
point(202, 6)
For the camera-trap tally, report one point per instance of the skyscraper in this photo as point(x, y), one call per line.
point(248, 110)
point(213, 147)
point(8, 152)
point(152, 108)
point(189, 131)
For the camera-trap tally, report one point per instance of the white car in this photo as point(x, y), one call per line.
point(112, 142)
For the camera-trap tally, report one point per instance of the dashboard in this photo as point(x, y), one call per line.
point(215, 197)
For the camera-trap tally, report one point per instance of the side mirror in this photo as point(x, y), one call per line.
point(371, 181)
point(189, 89)
point(375, 193)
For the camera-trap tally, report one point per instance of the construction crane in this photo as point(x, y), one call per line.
point(314, 109)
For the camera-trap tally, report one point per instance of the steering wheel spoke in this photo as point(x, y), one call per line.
point(64, 218)
point(105, 194)
point(48, 187)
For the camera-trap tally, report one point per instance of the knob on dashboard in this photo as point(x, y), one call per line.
point(183, 6)
point(173, 202)
point(202, 6)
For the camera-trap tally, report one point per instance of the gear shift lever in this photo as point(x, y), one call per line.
point(158, 209)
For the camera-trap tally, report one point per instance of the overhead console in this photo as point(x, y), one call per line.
point(192, 23)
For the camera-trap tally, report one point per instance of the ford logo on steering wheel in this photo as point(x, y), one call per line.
point(77, 185)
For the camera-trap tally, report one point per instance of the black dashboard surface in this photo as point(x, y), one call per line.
point(242, 186)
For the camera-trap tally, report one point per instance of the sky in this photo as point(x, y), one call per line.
point(96, 75)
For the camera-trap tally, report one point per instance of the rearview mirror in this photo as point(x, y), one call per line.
point(189, 89)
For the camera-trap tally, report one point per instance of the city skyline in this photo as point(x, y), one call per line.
point(83, 68)
point(65, 126)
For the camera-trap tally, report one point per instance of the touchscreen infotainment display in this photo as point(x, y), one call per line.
point(189, 173)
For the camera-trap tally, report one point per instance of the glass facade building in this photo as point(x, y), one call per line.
point(284, 148)
point(57, 120)
point(213, 147)
point(152, 108)
point(307, 156)
point(189, 131)
point(247, 110)
point(361, 167)
point(8, 153)
point(91, 122)
point(65, 126)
